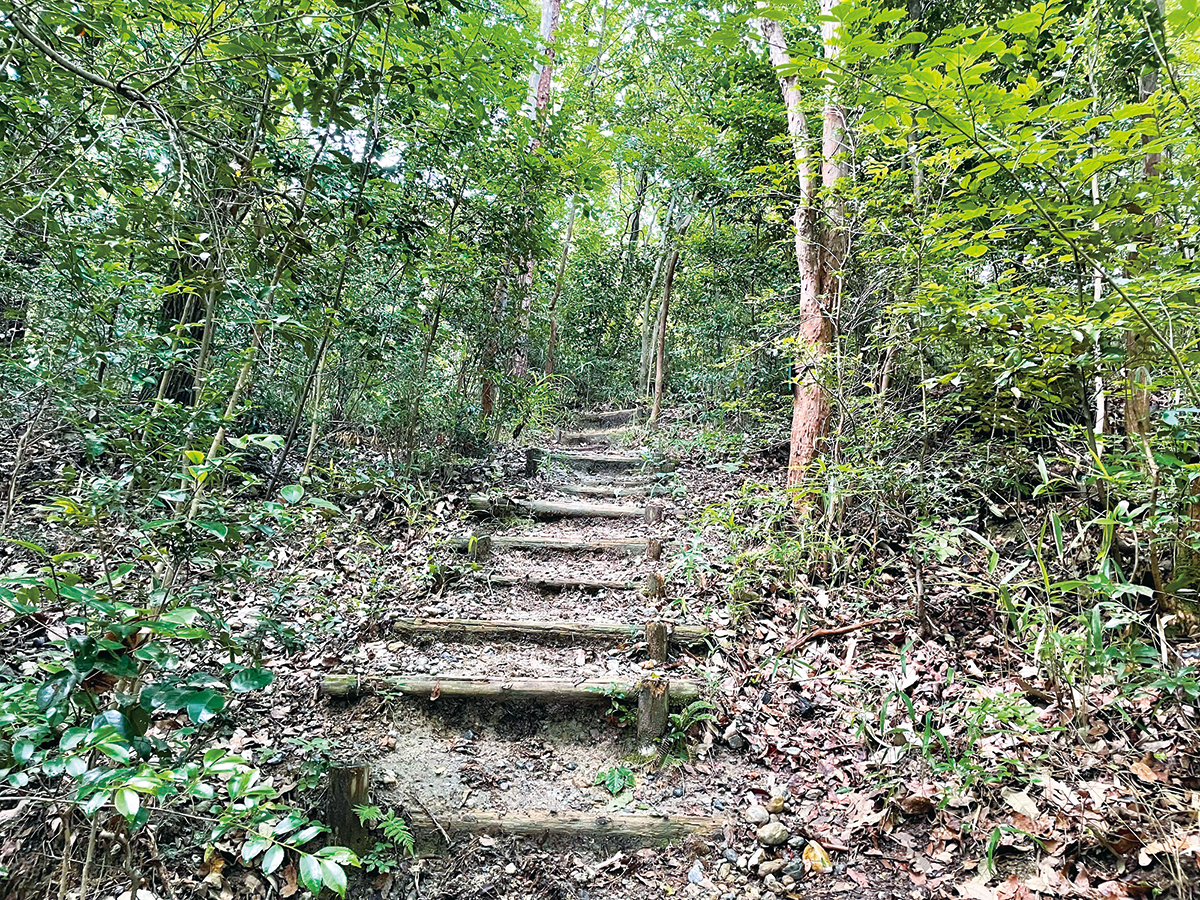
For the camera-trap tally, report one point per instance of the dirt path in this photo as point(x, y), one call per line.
point(501, 719)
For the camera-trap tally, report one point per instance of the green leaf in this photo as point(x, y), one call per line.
point(975, 250)
point(254, 845)
point(272, 859)
point(292, 493)
point(334, 877)
point(127, 802)
point(95, 802)
point(311, 875)
point(203, 705)
point(303, 837)
point(251, 680)
point(22, 750)
point(221, 531)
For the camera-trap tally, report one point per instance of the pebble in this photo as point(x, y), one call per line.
point(678, 792)
point(757, 815)
point(771, 867)
point(775, 804)
point(717, 804)
point(772, 834)
point(695, 873)
point(755, 858)
point(730, 854)
point(510, 869)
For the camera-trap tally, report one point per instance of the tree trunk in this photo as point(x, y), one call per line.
point(660, 373)
point(1137, 342)
point(648, 307)
point(552, 343)
point(539, 83)
point(820, 256)
point(634, 222)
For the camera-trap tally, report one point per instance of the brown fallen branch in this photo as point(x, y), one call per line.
point(621, 827)
point(547, 630)
point(797, 643)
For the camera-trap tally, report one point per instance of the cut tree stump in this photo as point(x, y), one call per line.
point(622, 828)
point(568, 631)
point(486, 544)
point(658, 635)
point(654, 587)
point(654, 697)
point(349, 786)
point(547, 690)
point(551, 582)
point(592, 461)
point(550, 509)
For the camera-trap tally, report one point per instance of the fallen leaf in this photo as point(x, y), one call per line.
point(1020, 801)
point(816, 859)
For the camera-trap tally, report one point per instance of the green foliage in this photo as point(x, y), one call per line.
point(616, 779)
point(674, 746)
point(399, 838)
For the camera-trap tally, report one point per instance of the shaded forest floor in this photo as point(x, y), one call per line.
point(902, 758)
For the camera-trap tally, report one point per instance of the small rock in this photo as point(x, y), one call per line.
point(772, 834)
point(724, 870)
point(755, 858)
point(735, 741)
point(771, 867)
point(788, 880)
point(775, 804)
point(695, 873)
point(678, 792)
point(743, 863)
point(510, 869)
point(757, 815)
point(730, 854)
point(717, 804)
point(769, 881)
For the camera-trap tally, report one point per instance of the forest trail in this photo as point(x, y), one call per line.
point(542, 669)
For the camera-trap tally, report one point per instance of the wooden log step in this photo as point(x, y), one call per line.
point(553, 582)
point(611, 416)
point(601, 437)
point(546, 690)
point(595, 460)
point(628, 829)
point(552, 509)
point(519, 628)
point(615, 491)
point(479, 546)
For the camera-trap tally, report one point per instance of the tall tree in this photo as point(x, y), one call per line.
point(821, 245)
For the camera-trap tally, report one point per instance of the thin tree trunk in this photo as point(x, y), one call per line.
point(810, 406)
point(540, 83)
point(552, 343)
point(660, 374)
point(1137, 342)
point(648, 319)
